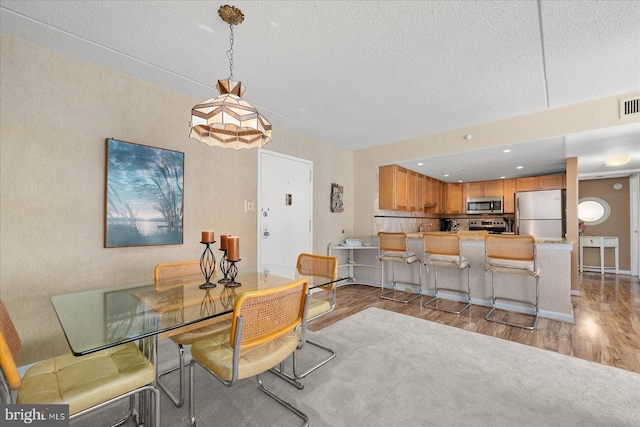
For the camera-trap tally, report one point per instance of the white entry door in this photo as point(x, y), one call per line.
point(285, 208)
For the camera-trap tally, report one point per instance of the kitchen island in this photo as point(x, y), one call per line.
point(554, 263)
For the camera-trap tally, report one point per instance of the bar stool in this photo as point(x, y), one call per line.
point(443, 250)
point(515, 255)
point(394, 249)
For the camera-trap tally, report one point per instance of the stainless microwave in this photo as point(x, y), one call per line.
point(485, 205)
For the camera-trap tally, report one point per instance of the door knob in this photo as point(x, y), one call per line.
point(266, 234)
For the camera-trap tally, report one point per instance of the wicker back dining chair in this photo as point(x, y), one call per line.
point(164, 275)
point(262, 335)
point(326, 267)
point(85, 383)
point(512, 254)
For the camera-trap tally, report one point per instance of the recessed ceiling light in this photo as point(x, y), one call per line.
point(617, 160)
point(506, 151)
point(420, 164)
point(467, 136)
point(519, 167)
point(446, 174)
point(502, 177)
point(459, 180)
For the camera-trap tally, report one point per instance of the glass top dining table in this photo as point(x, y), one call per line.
point(98, 319)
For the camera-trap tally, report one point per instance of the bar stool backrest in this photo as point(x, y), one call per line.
point(441, 244)
point(392, 241)
point(520, 247)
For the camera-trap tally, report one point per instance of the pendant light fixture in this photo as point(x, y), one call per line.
point(228, 121)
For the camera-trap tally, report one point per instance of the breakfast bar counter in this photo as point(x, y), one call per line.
point(554, 264)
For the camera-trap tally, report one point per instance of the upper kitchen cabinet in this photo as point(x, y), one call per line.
point(452, 198)
point(404, 190)
point(431, 195)
point(509, 191)
point(392, 184)
point(545, 182)
point(483, 188)
point(414, 199)
point(551, 182)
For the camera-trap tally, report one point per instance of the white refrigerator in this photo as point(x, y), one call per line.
point(541, 213)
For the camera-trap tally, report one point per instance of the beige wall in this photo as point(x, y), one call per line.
point(55, 114)
point(618, 223)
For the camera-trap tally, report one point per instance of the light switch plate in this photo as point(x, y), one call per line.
point(249, 206)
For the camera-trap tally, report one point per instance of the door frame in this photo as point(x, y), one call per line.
point(261, 152)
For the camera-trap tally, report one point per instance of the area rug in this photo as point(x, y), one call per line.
point(397, 370)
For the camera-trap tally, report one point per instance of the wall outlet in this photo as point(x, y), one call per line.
point(249, 206)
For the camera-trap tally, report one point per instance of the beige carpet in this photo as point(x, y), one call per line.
point(397, 370)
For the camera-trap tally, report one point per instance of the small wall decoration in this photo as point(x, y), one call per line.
point(144, 198)
point(336, 198)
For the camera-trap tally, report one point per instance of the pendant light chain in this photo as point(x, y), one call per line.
point(230, 53)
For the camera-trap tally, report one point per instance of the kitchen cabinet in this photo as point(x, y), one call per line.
point(551, 182)
point(544, 182)
point(392, 188)
point(483, 188)
point(474, 189)
point(419, 195)
point(431, 195)
point(412, 194)
point(509, 191)
point(493, 188)
point(452, 198)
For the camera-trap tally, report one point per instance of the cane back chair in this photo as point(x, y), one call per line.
point(262, 335)
point(163, 273)
point(85, 383)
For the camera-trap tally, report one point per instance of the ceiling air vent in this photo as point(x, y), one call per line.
point(629, 107)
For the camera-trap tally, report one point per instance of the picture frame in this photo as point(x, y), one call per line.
point(143, 195)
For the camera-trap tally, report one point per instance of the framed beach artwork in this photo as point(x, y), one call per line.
point(144, 199)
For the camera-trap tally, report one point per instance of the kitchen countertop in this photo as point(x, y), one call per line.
point(468, 237)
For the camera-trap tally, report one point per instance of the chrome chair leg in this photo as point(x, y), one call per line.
point(280, 373)
point(155, 421)
point(284, 403)
point(535, 304)
point(313, 368)
point(383, 295)
point(437, 288)
point(177, 401)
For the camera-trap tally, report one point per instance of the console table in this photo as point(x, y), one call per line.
point(362, 261)
point(601, 242)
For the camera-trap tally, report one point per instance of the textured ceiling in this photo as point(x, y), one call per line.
point(358, 74)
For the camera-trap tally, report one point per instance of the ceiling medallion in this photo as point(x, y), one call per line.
point(228, 121)
point(231, 14)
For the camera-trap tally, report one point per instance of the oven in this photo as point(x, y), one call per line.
point(491, 225)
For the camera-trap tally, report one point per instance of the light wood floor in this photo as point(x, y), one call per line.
point(606, 329)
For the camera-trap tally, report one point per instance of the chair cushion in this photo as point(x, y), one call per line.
point(189, 337)
point(317, 307)
point(217, 355)
point(399, 256)
point(85, 381)
point(515, 264)
point(447, 261)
